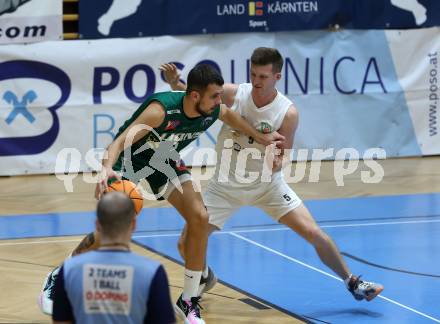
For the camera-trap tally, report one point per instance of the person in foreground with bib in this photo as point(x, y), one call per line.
point(112, 284)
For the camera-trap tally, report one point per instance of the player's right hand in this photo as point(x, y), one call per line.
point(170, 73)
point(106, 174)
point(271, 138)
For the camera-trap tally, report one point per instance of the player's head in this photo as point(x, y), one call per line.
point(204, 87)
point(115, 215)
point(266, 66)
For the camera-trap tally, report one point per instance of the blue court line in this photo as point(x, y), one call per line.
point(79, 223)
point(167, 246)
point(244, 267)
point(325, 303)
point(275, 228)
point(167, 219)
point(328, 274)
point(351, 217)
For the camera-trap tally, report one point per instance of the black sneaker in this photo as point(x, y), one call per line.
point(363, 289)
point(208, 282)
point(189, 311)
point(45, 300)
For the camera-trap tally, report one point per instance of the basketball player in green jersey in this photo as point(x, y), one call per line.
point(177, 117)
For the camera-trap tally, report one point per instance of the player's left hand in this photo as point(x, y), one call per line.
point(170, 73)
point(105, 175)
point(277, 162)
point(273, 157)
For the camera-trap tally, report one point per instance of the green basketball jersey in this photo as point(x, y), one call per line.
point(176, 128)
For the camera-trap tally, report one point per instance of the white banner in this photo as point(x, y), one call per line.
point(28, 21)
point(353, 89)
point(418, 74)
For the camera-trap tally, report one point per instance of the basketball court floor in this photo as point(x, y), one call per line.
point(388, 233)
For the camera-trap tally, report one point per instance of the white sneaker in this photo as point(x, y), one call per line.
point(361, 289)
point(45, 299)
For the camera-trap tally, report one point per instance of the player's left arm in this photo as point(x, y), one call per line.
point(234, 120)
point(172, 76)
point(287, 129)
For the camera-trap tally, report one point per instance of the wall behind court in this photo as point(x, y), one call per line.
point(358, 89)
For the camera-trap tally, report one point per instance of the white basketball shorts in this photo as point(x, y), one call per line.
point(275, 198)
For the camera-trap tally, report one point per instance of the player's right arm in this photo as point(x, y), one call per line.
point(152, 116)
point(287, 129)
point(172, 77)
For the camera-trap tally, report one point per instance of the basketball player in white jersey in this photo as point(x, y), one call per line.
point(263, 106)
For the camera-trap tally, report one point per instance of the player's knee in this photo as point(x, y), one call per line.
point(316, 236)
point(199, 221)
point(320, 238)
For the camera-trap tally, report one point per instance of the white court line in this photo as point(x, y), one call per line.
point(39, 242)
point(156, 235)
point(284, 228)
point(327, 274)
point(382, 223)
point(77, 240)
point(236, 231)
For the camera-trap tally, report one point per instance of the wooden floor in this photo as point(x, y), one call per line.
point(25, 262)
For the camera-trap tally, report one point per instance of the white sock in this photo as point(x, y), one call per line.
point(191, 284)
point(347, 280)
point(205, 272)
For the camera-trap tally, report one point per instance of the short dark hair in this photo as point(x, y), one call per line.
point(267, 55)
point(115, 213)
point(201, 76)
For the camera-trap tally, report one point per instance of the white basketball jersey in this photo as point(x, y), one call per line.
point(247, 158)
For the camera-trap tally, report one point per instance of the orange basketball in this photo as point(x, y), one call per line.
point(130, 189)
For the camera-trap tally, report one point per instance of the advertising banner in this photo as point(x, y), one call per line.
point(353, 89)
point(137, 18)
point(28, 21)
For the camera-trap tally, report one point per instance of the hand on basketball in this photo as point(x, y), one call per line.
point(106, 174)
point(170, 73)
